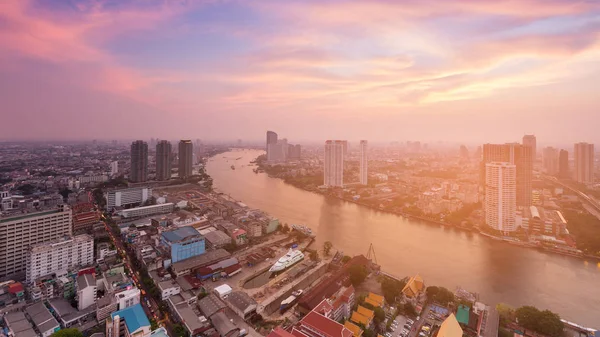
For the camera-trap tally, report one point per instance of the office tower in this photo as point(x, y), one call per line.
point(563, 164)
point(584, 163)
point(333, 169)
point(139, 161)
point(278, 151)
point(500, 196)
point(163, 160)
point(530, 140)
point(550, 160)
point(271, 139)
point(364, 162)
point(294, 151)
point(186, 149)
point(19, 232)
point(59, 256)
point(516, 154)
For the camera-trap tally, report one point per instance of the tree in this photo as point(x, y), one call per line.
point(409, 310)
point(179, 330)
point(70, 332)
point(327, 248)
point(391, 288)
point(153, 325)
point(544, 322)
point(346, 258)
point(440, 295)
point(64, 193)
point(379, 315)
point(506, 313)
point(358, 273)
point(314, 256)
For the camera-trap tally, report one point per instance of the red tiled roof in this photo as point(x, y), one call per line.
point(338, 303)
point(279, 332)
point(297, 333)
point(15, 288)
point(326, 326)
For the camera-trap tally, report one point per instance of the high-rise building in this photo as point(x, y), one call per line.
point(59, 255)
point(278, 151)
point(294, 151)
point(163, 160)
point(114, 168)
point(364, 162)
point(18, 233)
point(333, 169)
point(563, 165)
point(584, 163)
point(500, 196)
point(271, 139)
point(550, 160)
point(345, 145)
point(186, 150)
point(139, 161)
point(530, 140)
point(516, 154)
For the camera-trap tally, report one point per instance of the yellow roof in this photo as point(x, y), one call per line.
point(371, 302)
point(413, 286)
point(365, 312)
point(376, 298)
point(356, 330)
point(450, 328)
point(360, 319)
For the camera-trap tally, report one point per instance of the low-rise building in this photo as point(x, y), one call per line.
point(183, 243)
point(242, 304)
point(317, 325)
point(43, 320)
point(211, 305)
point(86, 291)
point(223, 325)
point(147, 210)
point(186, 266)
point(129, 322)
point(217, 239)
point(18, 325)
point(168, 288)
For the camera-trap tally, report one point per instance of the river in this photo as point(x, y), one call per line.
point(499, 272)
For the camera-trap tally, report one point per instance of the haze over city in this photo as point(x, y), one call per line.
point(470, 71)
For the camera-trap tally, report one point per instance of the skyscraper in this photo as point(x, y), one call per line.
point(345, 145)
point(563, 165)
point(364, 162)
point(333, 170)
point(500, 196)
point(584, 163)
point(518, 155)
point(530, 140)
point(163, 160)
point(271, 139)
point(550, 160)
point(139, 161)
point(186, 150)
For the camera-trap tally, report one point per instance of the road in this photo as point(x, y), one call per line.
point(586, 197)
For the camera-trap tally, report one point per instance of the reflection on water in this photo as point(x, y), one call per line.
point(443, 256)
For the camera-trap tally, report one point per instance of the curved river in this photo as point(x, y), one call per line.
point(499, 272)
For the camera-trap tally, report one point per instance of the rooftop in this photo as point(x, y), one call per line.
point(160, 332)
point(42, 318)
point(462, 314)
point(85, 280)
point(201, 260)
point(222, 324)
point(323, 324)
point(450, 328)
point(134, 317)
point(241, 300)
point(180, 234)
point(29, 215)
point(210, 305)
point(19, 324)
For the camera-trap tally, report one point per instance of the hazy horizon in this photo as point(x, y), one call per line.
point(460, 71)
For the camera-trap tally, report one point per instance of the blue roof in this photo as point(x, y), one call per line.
point(134, 317)
point(180, 234)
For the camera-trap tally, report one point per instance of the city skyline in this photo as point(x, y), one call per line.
point(510, 69)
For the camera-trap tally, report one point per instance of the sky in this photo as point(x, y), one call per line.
point(460, 70)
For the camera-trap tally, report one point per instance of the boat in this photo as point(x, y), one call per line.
point(292, 257)
point(298, 293)
point(302, 229)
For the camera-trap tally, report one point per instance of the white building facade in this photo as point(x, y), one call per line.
point(501, 196)
point(364, 162)
point(59, 255)
point(333, 170)
point(147, 210)
point(19, 233)
point(128, 196)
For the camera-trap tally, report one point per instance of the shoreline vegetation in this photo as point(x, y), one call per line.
point(310, 183)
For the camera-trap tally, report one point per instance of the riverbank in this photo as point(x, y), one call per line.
point(554, 249)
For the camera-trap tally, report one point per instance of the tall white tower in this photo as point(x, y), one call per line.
point(333, 170)
point(501, 196)
point(364, 162)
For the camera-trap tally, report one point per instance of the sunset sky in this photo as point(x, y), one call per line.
point(464, 70)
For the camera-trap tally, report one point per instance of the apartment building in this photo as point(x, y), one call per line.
point(18, 233)
point(59, 255)
point(127, 197)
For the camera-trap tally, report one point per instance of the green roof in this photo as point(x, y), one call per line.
point(30, 215)
point(462, 315)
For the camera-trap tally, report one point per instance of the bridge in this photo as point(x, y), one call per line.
point(584, 196)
